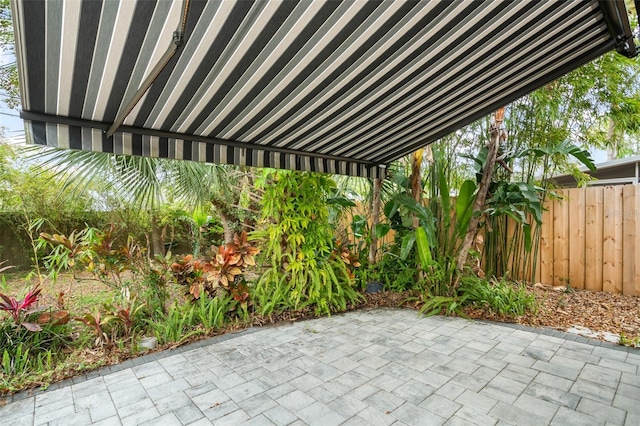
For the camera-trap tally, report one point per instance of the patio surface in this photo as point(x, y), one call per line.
point(377, 367)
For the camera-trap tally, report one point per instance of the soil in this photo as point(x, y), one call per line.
point(559, 308)
point(603, 313)
point(598, 311)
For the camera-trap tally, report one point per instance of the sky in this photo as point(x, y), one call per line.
point(9, 119)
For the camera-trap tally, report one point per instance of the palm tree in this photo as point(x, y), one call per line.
point(148, 183)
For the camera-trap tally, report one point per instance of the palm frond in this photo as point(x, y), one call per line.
point(143, 181)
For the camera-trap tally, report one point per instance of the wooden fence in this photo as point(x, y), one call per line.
point(591, 239)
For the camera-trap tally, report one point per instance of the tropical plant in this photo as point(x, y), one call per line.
point(345, 252)
point(19, 309)
point(507, 299)
point(445, 305)
point(522, 202)
point(177, 325)
point(96, 322)
point(271, 299)
point(189, 272)
point(123, 320)
point(222, 271)
point(300, 242)
point(114, 263)
point(25, 350)
point(119, 319)
point(154, 287)
point(148, 183)
point(212, 312)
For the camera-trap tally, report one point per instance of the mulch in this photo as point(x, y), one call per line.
point(560, 309)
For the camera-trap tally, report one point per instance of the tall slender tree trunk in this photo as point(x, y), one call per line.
point(497, 135)
point(375, 219)
point(416, 184)
point(226, 219)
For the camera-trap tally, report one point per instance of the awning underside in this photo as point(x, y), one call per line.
point(339, 87)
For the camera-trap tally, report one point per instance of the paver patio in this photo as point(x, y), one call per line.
point(377, 367)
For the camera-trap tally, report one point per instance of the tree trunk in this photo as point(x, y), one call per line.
point(497, 135)
point(416, 184)
point(227, 225)
point(226, 218)
point(375, 208)
point(246, 185)
point(157, 244)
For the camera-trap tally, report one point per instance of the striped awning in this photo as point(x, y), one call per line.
point(322, 85)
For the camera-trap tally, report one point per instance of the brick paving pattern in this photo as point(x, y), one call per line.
point(372, 367)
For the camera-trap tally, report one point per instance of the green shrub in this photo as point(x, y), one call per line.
point(25, 351)
point(300, 249)
point(273, 297)
point(502, 297)
point(201, 316)
point(212, 313)
point(177, 325)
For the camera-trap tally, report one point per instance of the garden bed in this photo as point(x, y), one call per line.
point(561, 310)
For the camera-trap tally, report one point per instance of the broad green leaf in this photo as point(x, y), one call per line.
point(424, 252)
point(358, 225)
point(381, 230)
point(526, 230)
point(407, 245)
point(464, 205)
point(340, 201)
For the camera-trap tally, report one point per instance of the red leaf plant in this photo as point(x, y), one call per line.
point(221, 271)
point(17, 308)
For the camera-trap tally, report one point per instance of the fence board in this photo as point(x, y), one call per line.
point(576, 205)
point(546, 245)
point(636, 257)
point(534, 258)
point(612, 240)
point(628, 239)
point(593, 238)
point(560, 242)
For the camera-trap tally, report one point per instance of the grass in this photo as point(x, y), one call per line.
point(80, 302)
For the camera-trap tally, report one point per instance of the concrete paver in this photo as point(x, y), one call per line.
point(371, 367)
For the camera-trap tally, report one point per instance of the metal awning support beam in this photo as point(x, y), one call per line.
point(122, 115)
point(178, 41)
point(615, 15)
